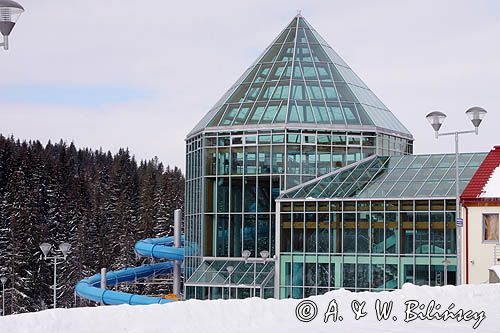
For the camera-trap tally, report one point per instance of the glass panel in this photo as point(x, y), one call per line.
point(349, 275)
point(323, 228)
point(249, 230)
point(378, 276)
point(298, 232)
point(222, 235)
point(336, 114)
point(329, 92)
point(310, 232)
point(391, 233)
point(363, 233)
point(407, 232)
point(363, 276)
point(391, 276)
point(269, 115)
point(349, 233)
point(377, 232)
point(335, 233)
point(421, 275)
point(421, 233)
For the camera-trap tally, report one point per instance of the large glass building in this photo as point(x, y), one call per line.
point(297, 113)
point(373, 225)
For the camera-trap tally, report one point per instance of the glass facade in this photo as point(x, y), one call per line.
point(374, 225)
point(367, 245)
point(247, 279)
point(407, 176)
point(234, 178)
point(298, 113)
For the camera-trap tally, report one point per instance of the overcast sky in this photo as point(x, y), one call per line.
point(140, 74)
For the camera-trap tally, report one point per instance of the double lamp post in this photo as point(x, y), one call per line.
point(50, 253)
point(436, 119)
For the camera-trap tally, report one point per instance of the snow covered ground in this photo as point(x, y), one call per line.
point(258, 315)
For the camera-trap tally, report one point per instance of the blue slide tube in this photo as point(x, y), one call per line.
point(160, 248)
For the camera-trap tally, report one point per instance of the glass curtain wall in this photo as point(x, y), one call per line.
point(193, 211)
point(365, 245)
point(241, 173)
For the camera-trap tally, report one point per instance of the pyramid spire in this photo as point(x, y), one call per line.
point(300, 79)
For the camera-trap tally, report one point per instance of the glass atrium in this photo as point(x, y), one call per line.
point(299, 112)
point(373, 225)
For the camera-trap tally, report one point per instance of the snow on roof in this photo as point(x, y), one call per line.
point(487, 173)
point(496, 269)
point(492, 187)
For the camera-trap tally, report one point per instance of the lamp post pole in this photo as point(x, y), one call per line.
point(177, 243)
point(230, 270)
point(46, 250)
point(458, 211)
point(55, 283)
point(3, 279)
point(436, 119)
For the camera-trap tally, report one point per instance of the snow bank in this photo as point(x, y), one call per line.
point(492, 187)
point(258, 315)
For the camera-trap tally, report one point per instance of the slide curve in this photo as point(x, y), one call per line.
point(158, 248)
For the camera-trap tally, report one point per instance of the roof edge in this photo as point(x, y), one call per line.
point(347, 167)
point(482, 175)
point(301, 126)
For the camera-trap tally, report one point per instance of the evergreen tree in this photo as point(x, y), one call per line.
point(99, 203)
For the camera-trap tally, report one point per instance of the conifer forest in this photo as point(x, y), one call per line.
point(98, 202)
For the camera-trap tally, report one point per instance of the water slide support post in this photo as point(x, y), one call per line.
point(177, 243)
point(103, 280)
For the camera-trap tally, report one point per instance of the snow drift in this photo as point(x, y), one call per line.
point(473, 304)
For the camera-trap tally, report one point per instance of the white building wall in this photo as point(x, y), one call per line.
point(481, 254)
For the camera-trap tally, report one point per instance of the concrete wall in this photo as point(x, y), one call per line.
point(481, 254)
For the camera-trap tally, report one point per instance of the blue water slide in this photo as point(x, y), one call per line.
point(158, 248)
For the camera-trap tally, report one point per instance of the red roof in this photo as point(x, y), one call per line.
point(473, 190)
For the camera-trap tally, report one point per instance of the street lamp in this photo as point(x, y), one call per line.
point(246, 254)
point(436, 119)
point(264, 255)
point(9, 13)
point(3, 279)
point(476, 115)
point(56, 259)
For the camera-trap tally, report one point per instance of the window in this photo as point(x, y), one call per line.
point(490, 228)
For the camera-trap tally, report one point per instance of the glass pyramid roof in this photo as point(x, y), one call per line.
point(408, 176)
point(300, 79)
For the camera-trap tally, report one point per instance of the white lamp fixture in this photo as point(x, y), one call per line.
point(476, 114)
point(436, 119)
point(246, 254)
point(65, 247)
point(45, 247)
point(9, 14)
